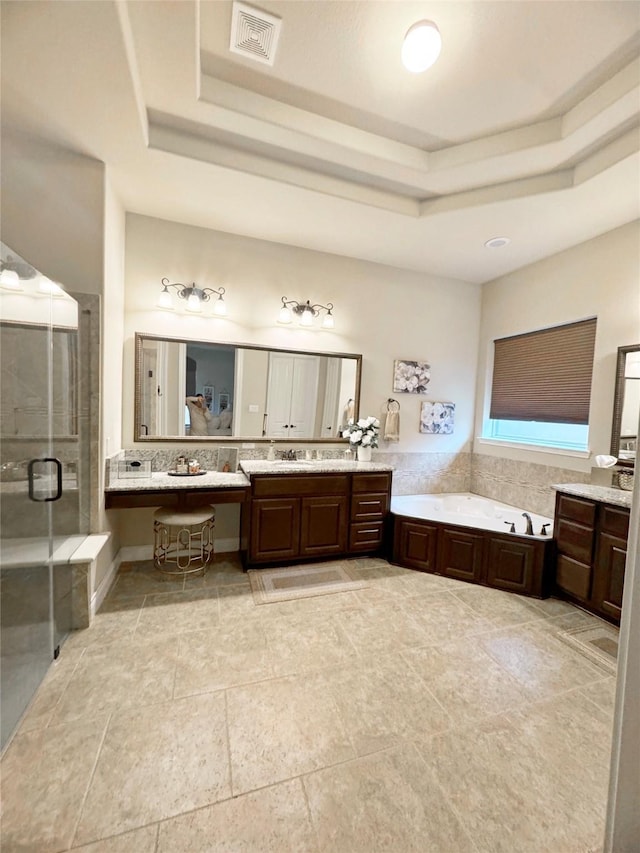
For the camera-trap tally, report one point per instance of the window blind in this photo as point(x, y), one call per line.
point(545, 375)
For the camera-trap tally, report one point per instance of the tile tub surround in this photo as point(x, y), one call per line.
point(520, 483)
point(407, 716)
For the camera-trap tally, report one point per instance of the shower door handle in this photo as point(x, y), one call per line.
point(31, 477)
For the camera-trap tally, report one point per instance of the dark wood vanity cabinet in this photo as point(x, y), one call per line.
point(591, 540)
point(460, 554)
point(300, 516)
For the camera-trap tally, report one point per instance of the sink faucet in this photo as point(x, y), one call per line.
point(289, 455)
point(529, 530)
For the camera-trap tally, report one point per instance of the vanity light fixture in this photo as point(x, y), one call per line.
point(421, 46)
point(194, 297)
point(305, 312)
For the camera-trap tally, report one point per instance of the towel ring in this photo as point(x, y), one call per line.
point(393, 405)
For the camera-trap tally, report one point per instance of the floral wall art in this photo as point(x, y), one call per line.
point(411, 377)
point(437, 418)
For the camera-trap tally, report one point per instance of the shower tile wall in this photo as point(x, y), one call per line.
point(523, 484)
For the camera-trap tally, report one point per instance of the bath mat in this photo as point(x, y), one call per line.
point(291, 582)
point(599, 644)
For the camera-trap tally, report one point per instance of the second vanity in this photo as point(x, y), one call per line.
point(591, 528)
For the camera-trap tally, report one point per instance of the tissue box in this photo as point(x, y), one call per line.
point(132, 468)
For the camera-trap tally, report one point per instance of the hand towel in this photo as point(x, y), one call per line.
point(392, 426)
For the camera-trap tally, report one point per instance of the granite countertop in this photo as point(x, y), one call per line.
point(315, 466)
point(162, 480)
point(617, 497)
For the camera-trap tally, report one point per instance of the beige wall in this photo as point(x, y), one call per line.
point(598, 278)
point(381, 312)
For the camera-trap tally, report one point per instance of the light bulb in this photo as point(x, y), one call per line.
point(306, 318)
point(165, 300)
point(285, 315)
point(10, 280)
point(327, 323)
point(193, 303)
point(421, 46)
point(220, 307)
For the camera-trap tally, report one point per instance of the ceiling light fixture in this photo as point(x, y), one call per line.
point(497, 242)
point(194, 297)
point(306, 313)
point(13, 271)
point(421, 46)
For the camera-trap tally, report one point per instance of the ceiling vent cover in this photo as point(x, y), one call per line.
point(254, 33)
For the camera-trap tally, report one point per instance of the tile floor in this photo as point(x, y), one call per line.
point(418, 714)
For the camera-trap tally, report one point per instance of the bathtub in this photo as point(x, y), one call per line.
point(469, 510)
point(470, 538)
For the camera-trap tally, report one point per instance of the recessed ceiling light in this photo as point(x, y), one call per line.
point(497, 242)
point(421, 46)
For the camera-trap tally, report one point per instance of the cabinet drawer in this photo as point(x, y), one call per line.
point(369, 507)
point(291, 484)
point(577, 509)
point(371, 482)
point(573, 539)
point(615, 521)
point(573, 577)
point(366, 536)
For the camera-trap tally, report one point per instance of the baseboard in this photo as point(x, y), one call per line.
point(136, 553)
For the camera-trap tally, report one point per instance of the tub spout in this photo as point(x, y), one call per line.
point(529, 530)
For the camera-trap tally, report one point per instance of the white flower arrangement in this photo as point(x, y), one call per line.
point(364, 433)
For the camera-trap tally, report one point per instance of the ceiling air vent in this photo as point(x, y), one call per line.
point(254, 33)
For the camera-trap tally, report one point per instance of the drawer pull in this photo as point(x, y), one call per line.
point(369, 503)
point(361, 532)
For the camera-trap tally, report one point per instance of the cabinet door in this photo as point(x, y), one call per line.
point(573, 577)
point(275, 529)
point(608, 581)
point(511, 565)
point(460, 554)
point(414, 545)
point(323, 530)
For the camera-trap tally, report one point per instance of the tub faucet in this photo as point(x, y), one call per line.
point(529, 530)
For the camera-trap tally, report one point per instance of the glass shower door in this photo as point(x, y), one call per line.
point(35, 591)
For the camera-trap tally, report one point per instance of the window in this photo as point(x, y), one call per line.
point(541, 387)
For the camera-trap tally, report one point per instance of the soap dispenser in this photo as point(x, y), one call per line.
point(271, 453)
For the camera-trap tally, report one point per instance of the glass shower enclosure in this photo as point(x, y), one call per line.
point(41, 456)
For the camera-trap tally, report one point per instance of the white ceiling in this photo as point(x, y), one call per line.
point(527, 126)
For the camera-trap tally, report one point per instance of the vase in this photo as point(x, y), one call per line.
point(364, 453)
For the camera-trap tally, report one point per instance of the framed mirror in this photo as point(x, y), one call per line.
point(239, 392)
point(626, 406)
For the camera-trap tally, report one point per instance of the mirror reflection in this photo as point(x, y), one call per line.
point(209, 390)
point(624, 434)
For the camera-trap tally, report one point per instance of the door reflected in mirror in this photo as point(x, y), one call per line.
point(209, 390)
point(626, 407)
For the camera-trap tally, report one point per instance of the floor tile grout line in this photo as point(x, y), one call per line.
point(91, 778)
point(447, 799)
point(228, 736)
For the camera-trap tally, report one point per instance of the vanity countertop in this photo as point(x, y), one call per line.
point(162, 480)
point(315, 466)
point(604, 494)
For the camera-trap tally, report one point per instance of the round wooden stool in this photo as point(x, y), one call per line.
point(183, 540)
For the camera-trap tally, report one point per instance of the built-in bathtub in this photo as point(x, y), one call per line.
point(469, 510)
point(469, 537)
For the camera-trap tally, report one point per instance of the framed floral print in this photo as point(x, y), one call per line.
point(437, 418)
point(411, 377)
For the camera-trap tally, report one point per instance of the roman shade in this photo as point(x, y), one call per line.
point(545, 375)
